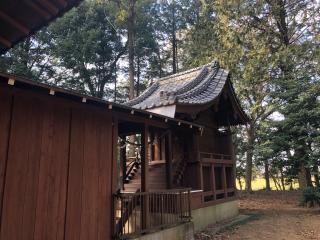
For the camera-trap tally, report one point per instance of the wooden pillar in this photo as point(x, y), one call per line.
point(196, 150)
point(144, 176)
point(213, 182)
point(156, 147)
point(144, 158)
point(150, 147)
point(114, 171)
point(224, 181)
point(168, 151)
point(163, 148)
point(123, 161)
point(200, 176)
point(233, 159)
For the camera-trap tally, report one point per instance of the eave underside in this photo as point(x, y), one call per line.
point(22, 18)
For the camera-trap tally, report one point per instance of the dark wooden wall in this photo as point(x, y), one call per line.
point(55, 168)
point(212, 140)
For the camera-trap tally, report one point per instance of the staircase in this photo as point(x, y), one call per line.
point(156, 177)
point(132, 180)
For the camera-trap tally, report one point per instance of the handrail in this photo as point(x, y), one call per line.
point(143, 212)
point(135, 163)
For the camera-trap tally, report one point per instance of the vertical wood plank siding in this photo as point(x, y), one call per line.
point(55, 168)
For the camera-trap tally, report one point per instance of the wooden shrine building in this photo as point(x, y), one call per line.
point(78, 167)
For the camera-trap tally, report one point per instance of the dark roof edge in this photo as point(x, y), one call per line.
point(36, 29)
point(244, 116)
point(115, 106)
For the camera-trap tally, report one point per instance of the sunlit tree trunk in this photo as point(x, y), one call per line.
point(267, 175)
point(174, 40)
point(131, 27)
point(249, 159)
point(138, 75)
point(316, 175)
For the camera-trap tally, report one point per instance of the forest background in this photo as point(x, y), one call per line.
point(114, 49)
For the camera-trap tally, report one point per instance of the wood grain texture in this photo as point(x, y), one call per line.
point(20, 195)
point(89, 188)
point(74, 201)
point(53, 174)
point(55, 169)
point(5, 125)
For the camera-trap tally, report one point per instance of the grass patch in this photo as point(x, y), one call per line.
point(260, 183)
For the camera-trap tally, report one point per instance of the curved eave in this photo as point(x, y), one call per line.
point(243, 116)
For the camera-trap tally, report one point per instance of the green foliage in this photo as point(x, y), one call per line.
point(310, 197)
point(272, 51)
point(87, 45)
point(30, 58)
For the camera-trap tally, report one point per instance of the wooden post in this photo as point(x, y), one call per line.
point(144, 158)
point(123, 160)
point(199, 160)
point(156, 146)
point(163, 148)
point(114, 172)
point(168, 155)
point(224, 179)
point(144, 175)
point(233, 159)
point(150, 147)
point(200, 175)
point(213, 182)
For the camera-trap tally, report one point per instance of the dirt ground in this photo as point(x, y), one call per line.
point(278, 217)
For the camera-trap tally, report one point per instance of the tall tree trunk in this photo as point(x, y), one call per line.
point(316, 175)
point(177, 59)
point(159, 64)
point(131, 27)
point(249, 159)
point(174, 39)
point(276, 183)
point(115, 89)
point(138, 75)
point(240, 183)
point(282, 179)
point(267, 175)
point(304, 177)
point(308, 175)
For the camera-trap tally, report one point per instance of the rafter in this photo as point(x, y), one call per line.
point(49, 6)
point(14, 22)
point(37, 9)
point(62, 3)
point(5, 42)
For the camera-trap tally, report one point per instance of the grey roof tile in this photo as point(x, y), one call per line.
point(196, 86)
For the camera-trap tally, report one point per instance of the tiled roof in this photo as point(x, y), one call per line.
point(193, 87)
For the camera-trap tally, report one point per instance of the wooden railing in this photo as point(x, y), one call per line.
point(132, 166)
point(222, 182)
point(138, 213)
point(208, 156)
point(215, 156)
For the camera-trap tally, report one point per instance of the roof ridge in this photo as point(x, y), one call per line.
point(202, 85)
point(184, 72)
point(194, 82)
point(144, 95)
